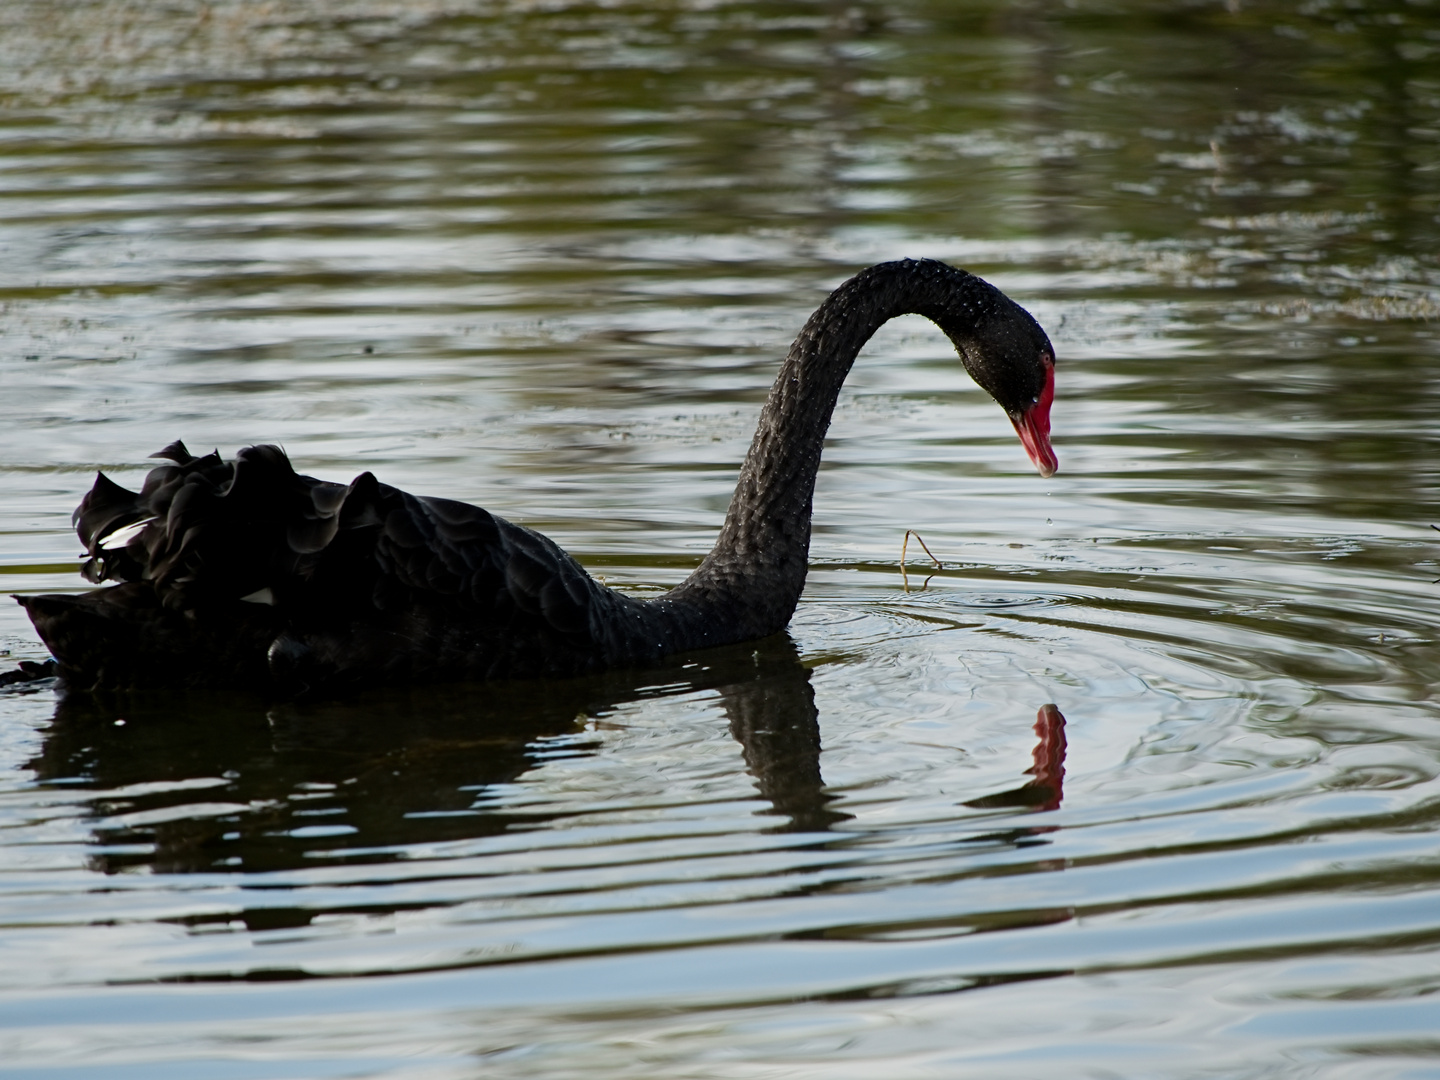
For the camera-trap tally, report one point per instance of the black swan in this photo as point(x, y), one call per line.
point(245, 573)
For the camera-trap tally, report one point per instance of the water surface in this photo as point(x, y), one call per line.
point(544, 257)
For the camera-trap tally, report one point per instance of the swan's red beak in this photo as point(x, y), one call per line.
point(1033, 425)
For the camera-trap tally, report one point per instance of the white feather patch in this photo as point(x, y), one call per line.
point(260, 596)
point(120, 537)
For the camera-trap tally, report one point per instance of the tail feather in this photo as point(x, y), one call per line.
point(175, 452)
point(214, 530)
point(359, 582)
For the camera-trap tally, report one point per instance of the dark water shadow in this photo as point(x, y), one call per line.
point(209, 782)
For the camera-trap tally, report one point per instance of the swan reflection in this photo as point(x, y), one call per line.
point(367, 779)
point(192, 782)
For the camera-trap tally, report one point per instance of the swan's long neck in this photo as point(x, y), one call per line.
point(749, 584)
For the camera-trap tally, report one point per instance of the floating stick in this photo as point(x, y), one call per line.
point(904, 546)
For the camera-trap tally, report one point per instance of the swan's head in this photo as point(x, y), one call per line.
point(1009, 355)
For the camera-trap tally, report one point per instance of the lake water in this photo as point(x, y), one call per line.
point(544, 257)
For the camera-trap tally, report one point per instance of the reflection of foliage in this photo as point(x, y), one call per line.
point(1262, 145)
point(971, 119)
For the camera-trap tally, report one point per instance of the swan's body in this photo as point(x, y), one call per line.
point(246, 573)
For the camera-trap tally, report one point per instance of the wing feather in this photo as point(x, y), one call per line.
point(364, 578)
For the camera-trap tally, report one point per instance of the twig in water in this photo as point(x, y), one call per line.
point(904, 546)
